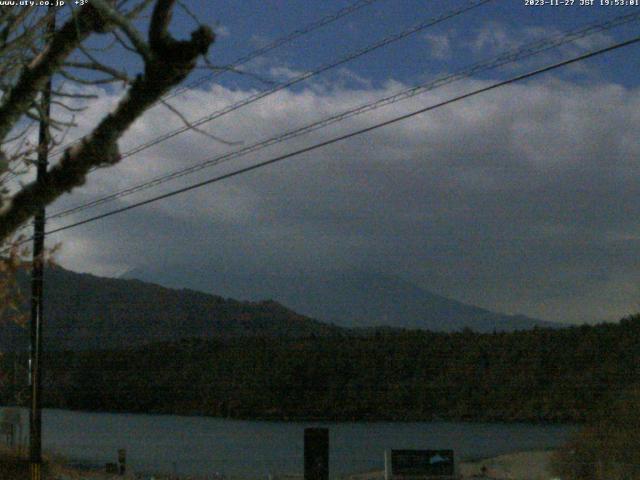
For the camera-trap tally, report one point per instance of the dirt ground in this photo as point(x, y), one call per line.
point(515, 466)
point(520, 466)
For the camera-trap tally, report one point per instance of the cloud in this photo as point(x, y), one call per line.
point(495, 38)
point(524, 199)
point(440, 45)
point(284, 73)
point(222, 31)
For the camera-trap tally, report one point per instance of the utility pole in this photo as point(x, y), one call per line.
point(37, 282)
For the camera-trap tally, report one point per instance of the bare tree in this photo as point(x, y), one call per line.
point(76, 58)
point(29, 60)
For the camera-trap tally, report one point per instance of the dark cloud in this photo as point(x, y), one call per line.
point(521, 200)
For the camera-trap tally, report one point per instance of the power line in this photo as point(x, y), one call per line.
point(279, 42)
point(356, 54)
point(310, 27)
point(350, 135)
point(304, 76)
point(500, 60)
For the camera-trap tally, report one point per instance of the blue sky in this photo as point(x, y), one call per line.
point(522, 200)
point(472, 36)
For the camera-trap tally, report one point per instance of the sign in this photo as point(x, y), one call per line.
point(420, 463)
point(316, 454)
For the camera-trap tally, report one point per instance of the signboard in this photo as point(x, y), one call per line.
point(419, 463)
point(316, 454)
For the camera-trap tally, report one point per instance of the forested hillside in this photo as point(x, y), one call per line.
point(538, 375)
point(85, 312)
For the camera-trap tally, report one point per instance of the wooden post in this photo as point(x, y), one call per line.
point(37, 281)
point(316, 454)
point(122, 461)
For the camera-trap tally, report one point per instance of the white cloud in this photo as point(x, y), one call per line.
point(494, 37)
point(440, 45)
point(284, 73)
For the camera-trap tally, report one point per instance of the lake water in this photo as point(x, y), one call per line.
point(252, 449)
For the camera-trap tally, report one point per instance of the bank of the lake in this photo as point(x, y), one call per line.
point(255, 449)
point(533, 465)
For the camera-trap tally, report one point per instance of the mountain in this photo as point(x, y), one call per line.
point(349, 299)
point(86, 312)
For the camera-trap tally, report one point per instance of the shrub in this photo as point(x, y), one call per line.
point(14, 466)
point(608, 447)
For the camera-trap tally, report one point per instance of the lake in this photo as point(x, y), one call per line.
point(255, 449)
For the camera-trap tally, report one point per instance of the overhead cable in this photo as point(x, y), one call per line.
point(496, 62)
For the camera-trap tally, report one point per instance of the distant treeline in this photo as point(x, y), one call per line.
point(538, 375)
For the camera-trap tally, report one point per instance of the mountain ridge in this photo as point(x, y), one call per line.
point(348, 299)
point(88, 312)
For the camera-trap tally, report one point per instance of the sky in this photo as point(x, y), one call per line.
point(522, 200)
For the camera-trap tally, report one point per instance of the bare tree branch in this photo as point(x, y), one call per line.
point(138, 9)
point(83, 81)
point(121, 41)
point(169, 62)
point(159, 28)
point(194, 128)
point(68, 108)
point(86, 96)
point(124, 24)
point(35, 75)
point(96, 66)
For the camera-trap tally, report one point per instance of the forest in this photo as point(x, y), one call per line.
point(540, 375)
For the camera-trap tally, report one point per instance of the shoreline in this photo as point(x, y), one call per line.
point(321, 419)
point(525, 465)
